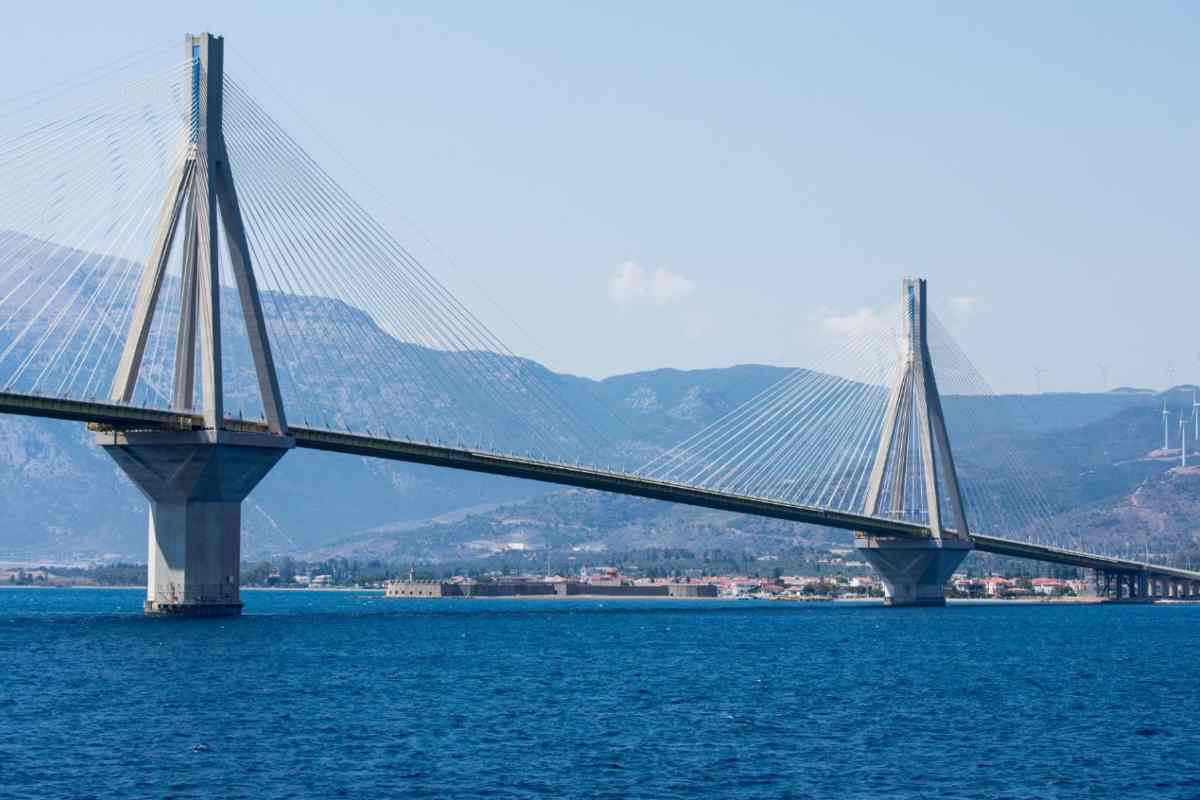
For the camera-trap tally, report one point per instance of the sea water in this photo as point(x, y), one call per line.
point(343, 694)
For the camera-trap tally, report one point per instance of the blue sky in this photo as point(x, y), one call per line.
point(693, 185)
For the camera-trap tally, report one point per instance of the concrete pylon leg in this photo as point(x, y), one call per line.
point(914, 571)
point(195, 483)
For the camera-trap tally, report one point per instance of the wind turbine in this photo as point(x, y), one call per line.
point(1182, 440)
point(1166, 427)
point(1196, 416)
point(1103, 367)
point(1037, 377)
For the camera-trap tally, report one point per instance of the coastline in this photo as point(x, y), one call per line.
point(861, 601)
point(1031, 601)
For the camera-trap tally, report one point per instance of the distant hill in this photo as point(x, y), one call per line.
point(1101, 476)
point(67, 500)
point(64, 499)
point(1160, 516)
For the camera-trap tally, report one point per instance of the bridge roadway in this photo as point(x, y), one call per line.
point(112, 416)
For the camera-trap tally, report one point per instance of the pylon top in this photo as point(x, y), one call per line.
point(201, 189)
point(914, 411)
point(207, 53)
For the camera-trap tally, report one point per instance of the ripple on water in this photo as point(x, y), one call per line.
point(323, 694)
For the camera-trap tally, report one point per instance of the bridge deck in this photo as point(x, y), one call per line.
point(113, 415)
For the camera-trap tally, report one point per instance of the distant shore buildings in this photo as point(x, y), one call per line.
point(547, 587)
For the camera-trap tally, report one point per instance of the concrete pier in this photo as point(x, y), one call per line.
point(1124, 586)
point(914, 571)
point(195, 482)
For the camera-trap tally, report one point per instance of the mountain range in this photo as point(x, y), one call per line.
point(1092, 455)
point(1095, 454)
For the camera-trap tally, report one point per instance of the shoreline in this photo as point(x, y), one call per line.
point(861, 601)
point(142, 587)
point(1033, 601)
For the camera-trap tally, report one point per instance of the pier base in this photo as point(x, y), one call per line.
point(195, 482)
point(914, 571)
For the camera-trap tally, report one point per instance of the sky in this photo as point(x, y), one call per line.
point(616, 187)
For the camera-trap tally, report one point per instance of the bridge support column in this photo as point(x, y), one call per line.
point(195, 483)
point(914, 449)
point(914, 571)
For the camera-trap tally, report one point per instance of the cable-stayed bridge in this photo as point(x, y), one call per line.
point(169, 253)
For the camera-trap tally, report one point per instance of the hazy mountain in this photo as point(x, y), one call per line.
point(1103, 476)
point(65, 499)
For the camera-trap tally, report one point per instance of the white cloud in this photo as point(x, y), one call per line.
point(631, 285)
point(848, 323)
point(963, 305)
point(859, 344)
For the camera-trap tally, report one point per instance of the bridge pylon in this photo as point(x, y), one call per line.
point(913, 476)
point(196, 480)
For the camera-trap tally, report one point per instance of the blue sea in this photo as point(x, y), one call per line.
point(324, 694)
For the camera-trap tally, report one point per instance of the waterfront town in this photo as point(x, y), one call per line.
point(599, 581)
point(608, 582)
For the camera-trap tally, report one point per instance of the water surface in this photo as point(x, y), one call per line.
point(331, 694)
